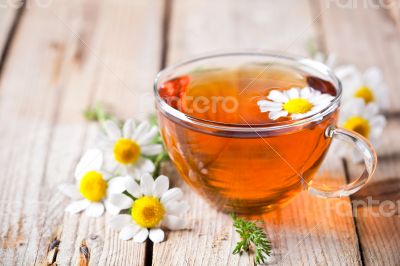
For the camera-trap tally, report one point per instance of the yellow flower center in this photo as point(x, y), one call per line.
point(147, 211)
point(297, 106)
point(126, 151)
point(93, 186)
point(365, 93)
point(358, 124)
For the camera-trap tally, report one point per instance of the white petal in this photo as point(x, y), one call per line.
point(141, 236)
point(173, 222)
point(270, 109)
point(382, 96)
point(156, 235)
point(111, 208)
point(372, 77)
point(306, 92)
point(133, 188)
point(145, 165)
point(300, 116)
point(353, 107)
point(128, 231)
point(103, 140)
point(265, 103)
point(70, 190)
point(277, 96)
point(374, 136)
point(172, 194)
point(91, 160)
point(135, 173)
point(121, 201)
point(160, 186)
point(127, 129)
point(176, 207)
point(316, 109)
point(112, 129)
point(95, 209)
point(270, 106)
point(106, 175)
point(146, 184)
point(276, 115)
point(109, 162)
point(146, 138)
point(321, 99)
point(77, 206)
point(152, 149)
point(141, 130)
point(378, 121)
point(293, 93)
point(371, 110)
point(346, 71)
point(119, 221)
point(121, 170)
point(117, 185)
point(377, 125)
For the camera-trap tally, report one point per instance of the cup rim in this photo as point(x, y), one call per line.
point(315, 65)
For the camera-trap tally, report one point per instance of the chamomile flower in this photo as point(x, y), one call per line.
point(368, 86)
point(127, 147)
point(295, 102)
point(91, 191)
point(154, 206)
point(363, 119)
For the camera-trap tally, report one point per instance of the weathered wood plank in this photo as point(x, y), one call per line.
point(8, 12)
point(315, 231)
point(362, 33)
point(377, 206)
point(307, 232)
point(286, 26)
point(208, 240)
point(372, 39)
point(64, 58)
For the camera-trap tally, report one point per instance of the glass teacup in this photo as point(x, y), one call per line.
point(243, 147)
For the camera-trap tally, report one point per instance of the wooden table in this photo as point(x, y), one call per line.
point(59, 57)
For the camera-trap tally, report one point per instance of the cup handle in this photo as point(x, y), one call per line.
point(370, 160)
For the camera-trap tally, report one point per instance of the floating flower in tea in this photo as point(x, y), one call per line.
point(295, 102)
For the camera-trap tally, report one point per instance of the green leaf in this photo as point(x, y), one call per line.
point(97, 113)
point(251, 235)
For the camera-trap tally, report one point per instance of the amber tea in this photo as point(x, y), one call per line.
point(234, 132)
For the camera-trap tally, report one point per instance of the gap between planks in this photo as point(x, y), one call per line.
point(10, 35)
point(166, 22)
point(71, 77)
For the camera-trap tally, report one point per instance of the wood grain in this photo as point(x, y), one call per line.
point(373, 39)
point(71, 54)
point(199, 27)
point(364, 36)
point(377, 205)
point(8, 12)
point(79, 52)
point(307, 232)
point(315, 231)
point(208, 240)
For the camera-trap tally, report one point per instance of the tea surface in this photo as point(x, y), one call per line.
point(247, 175)
point(231, 95)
